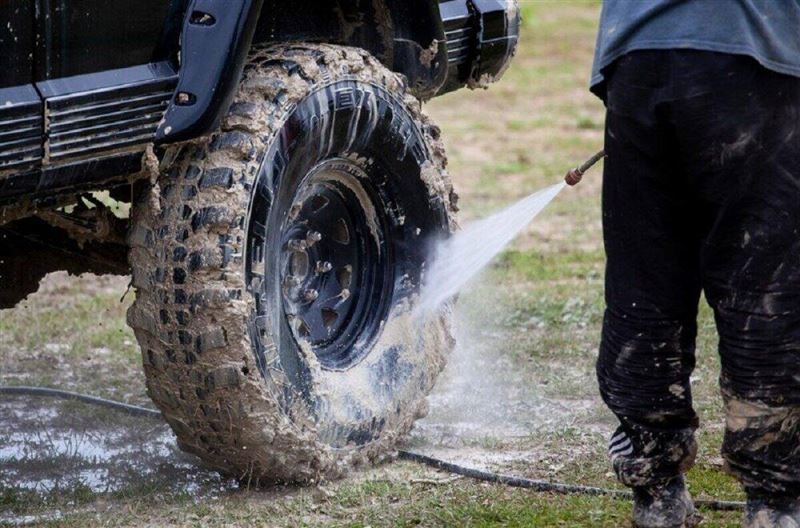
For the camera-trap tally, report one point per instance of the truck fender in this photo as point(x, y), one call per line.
point(215, 40)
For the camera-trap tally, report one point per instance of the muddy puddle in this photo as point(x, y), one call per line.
point(56, 449)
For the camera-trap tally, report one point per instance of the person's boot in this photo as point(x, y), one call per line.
point(766, 513)
point(664, 506)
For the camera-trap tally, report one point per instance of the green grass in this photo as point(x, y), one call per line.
point(81, 323)
point(384, 503)
point(533, 265)
point(710, 482)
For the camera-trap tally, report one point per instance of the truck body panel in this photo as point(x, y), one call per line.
point(87, 85)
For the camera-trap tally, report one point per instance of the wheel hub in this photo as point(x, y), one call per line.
point(332, 265)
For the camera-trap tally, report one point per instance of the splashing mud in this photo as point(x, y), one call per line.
point(463, 256)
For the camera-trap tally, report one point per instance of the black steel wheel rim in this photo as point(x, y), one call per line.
point(335, 269)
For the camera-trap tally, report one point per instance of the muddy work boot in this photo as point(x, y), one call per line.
point(766, 513)
point(664, 506)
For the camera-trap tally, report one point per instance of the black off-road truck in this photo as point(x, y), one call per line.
point(285, 190)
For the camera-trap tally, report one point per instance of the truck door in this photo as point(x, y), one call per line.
point(106, 70)
point(21, 118)
point(88, 36)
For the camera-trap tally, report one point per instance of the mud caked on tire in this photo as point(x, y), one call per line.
point(277, 262)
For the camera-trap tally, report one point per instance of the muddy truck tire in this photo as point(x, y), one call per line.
point(277, 265)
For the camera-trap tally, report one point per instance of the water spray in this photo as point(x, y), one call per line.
point(461, 257)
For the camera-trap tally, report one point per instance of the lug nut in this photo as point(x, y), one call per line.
point(312, 237)
point(324, 267)
point(298, 245)
point(310, 295)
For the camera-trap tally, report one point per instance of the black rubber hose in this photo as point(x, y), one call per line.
point(477, 474)
point(509, 480)
point(127, 408)
point(547, 486)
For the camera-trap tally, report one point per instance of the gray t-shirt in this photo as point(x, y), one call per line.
point(767, 30)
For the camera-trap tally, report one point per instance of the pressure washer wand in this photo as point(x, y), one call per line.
point(574, 176)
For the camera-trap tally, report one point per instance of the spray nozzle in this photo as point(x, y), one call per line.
point(574, 176)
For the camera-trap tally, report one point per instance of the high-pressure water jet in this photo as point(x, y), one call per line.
point(462, 256)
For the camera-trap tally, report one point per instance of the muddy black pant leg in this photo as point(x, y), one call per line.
point(652, 282)
point(751, 262)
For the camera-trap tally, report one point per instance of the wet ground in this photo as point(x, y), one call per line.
point(55, 449)
point(484, 394)
point(485, 412)
point(49, 445)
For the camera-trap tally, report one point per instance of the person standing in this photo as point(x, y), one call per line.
point(701, 194)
